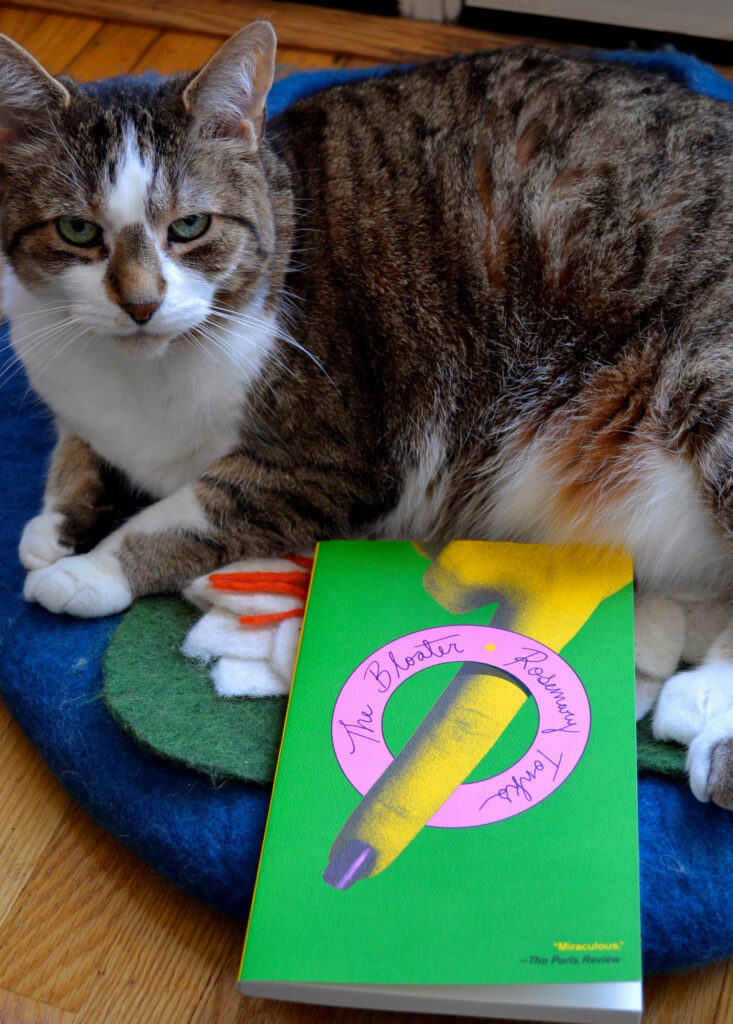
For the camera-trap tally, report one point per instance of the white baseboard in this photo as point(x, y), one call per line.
point(710, 18)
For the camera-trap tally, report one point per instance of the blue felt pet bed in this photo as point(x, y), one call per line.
point(206, 838)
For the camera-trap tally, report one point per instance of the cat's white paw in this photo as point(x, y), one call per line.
point(696, 708)
point(40, 545)
point(88, 586)
point(691, 700)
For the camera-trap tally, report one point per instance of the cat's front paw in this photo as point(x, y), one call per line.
point(696, 708)
point(40, 545)
point(692, 700)
point(88, 586)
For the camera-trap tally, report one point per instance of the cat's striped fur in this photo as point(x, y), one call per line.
point(487, 297)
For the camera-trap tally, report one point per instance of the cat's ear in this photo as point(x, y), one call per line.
point(228, 96)
point(29, 95)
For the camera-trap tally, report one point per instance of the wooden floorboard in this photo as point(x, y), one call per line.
point(113, 50)
point(297, 25)
point(33, 806)
point(88, 934)
point(305, 28)
point(55, 37)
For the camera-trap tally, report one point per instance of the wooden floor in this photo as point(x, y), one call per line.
point(88, 935)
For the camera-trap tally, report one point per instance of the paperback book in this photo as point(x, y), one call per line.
point(453, 825)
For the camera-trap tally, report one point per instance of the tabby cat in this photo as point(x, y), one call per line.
point(488, 297)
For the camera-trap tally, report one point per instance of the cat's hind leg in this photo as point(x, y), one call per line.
point(659, 632)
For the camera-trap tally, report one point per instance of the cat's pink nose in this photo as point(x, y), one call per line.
point(140, 313)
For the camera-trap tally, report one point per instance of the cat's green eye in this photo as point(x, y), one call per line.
point(78, 231)
point(186, 229)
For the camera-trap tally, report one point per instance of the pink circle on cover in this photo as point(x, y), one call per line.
point(562, 703)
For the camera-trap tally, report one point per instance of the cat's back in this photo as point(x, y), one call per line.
point(538, 104)
point(568, 186)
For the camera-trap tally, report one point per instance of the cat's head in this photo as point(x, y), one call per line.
point(136, 208)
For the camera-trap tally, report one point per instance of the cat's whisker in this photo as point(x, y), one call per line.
point(45, 337)
point(214, 349)
point(13, 361)
point(226, 348)
point(248, 319)
point(190, 336)
point(216, 342)
point(221, 344)
point(37, 343)
point(45, 311)
point(289, 340)
point(62, 349)
point(221, 314)
point(41, 311)
point(14, 364)
point(33, 337)
point(233, 352)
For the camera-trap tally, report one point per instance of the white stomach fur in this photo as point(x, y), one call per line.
point(663, 520)
point(677, 547)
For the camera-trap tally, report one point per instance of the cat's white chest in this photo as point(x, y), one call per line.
point(164, 425)
point(161, 420)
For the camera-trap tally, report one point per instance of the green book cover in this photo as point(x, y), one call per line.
point(455, 800)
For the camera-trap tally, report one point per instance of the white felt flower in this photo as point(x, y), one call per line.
point(251, 627)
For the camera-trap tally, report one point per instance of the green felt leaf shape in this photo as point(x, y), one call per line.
point(662, 758)
point(168, 703)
